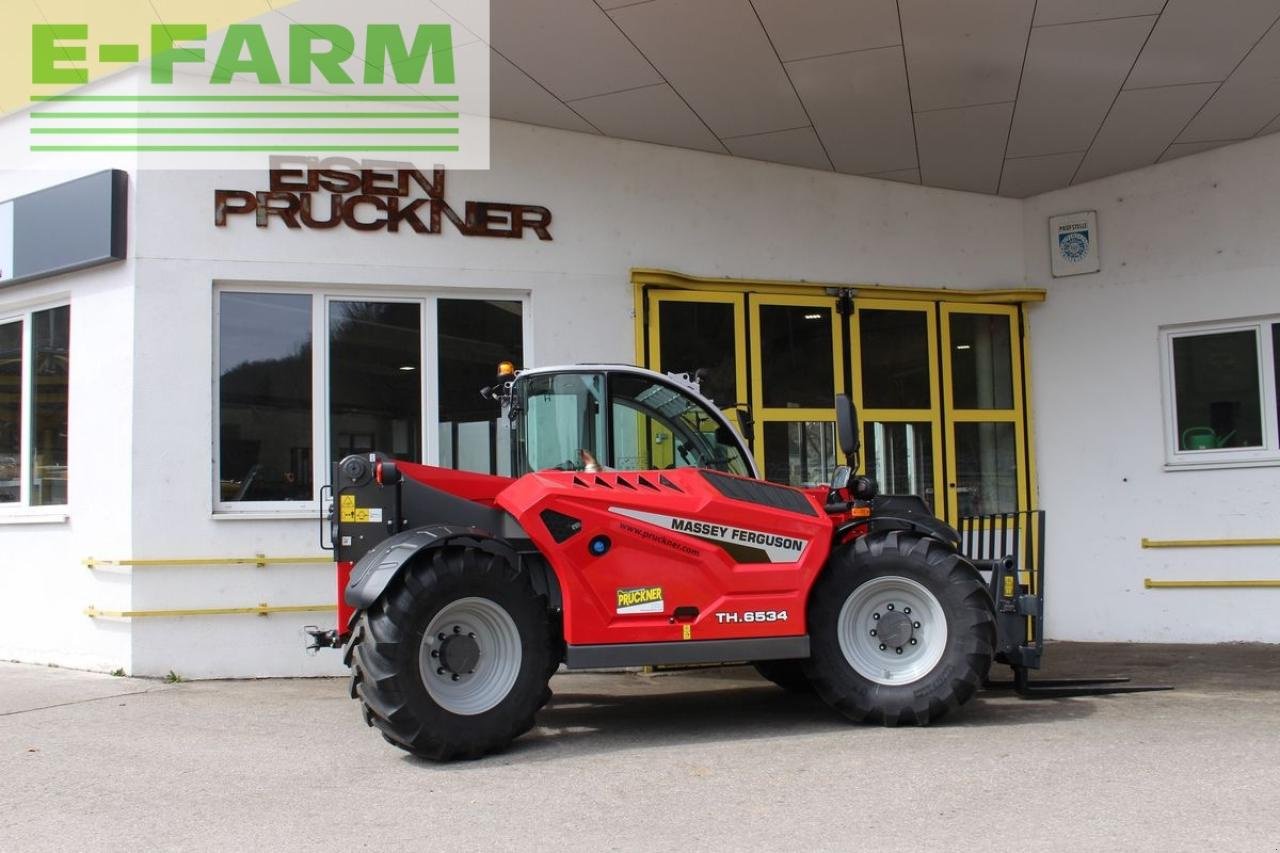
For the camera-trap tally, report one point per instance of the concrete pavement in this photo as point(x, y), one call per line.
point(707, 759)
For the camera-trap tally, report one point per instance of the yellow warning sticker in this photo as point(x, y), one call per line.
point(361, 515)
point(1008, 586)
point(686, 632)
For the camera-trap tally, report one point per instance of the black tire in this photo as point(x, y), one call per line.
point(386, 646)
point(787, 674)
point(908, 561)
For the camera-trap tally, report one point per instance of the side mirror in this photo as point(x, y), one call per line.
point(847, 428)
point(840, 479)
point(746, 425)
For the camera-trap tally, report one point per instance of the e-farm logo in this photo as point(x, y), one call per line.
point(277, 84)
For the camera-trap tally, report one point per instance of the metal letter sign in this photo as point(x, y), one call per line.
point(6, 241)
point(1073, 243)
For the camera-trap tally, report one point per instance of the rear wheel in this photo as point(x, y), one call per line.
point(453, 661)
point(902, 630)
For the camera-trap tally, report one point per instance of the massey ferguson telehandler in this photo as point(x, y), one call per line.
point(636, 531)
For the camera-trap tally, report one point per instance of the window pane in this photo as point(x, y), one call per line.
point(799, 453)
point(701, 336)
point(264, 397)
point(797, 356)
point(474, 336)
point(981, 361)
point(564, 415)
point(1275, 355)
point(900, 458)
point(10, 413)
point(52, 330)
point(1217, 390)
point(375, 379)
point(655, 426)
point(895, 359)
point(986, 468)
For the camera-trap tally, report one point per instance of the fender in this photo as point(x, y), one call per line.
point(387, 560)
point(924, 525)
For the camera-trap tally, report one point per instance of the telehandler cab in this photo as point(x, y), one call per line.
point(636, 531)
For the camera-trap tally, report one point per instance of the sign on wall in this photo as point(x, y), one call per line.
point(6, 241)
point(1073, 243)
point(71, 226)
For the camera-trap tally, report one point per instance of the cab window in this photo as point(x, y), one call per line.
point(564, 416)
point(657, 426)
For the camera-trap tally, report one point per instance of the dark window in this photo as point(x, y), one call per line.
point(796, 356)
point(700, 339)
point(895, 359)
point(1275, 360)
point(50, 361)
point(264, 397)
point(1218, 390)
point(986, 468)
point(981, 361)
point(11, 412)
point(900, 458)
point(474, 336)
point(375, 379)
point(799, 453)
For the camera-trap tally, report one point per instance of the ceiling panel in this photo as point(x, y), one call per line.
point(716, 55)
point(860, 108)
point(513, 96)
point(1027, 176)
point(569, 46)
point(1049, 12)
point(796, 147)
point(1247, 100)
point(1271, 128)
point(961, 54)
point(1072, 75)
point(652, 114)
point(963, 149)
point(1182, 149)
point(801, 29)
point(902, 176)
point(1196, 41)
point(618, 4)
point(1141, 125)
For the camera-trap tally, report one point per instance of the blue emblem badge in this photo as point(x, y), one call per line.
point(1074, 246)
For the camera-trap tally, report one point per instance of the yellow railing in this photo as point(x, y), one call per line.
point(1207, 543)
point(1246, 584)
point(262, 609)
point(259, 560)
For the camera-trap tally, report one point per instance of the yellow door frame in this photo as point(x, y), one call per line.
point(954, 415)
point(775, 414)
point(932, 415)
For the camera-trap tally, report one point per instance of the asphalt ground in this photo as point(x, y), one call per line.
point(713, 759)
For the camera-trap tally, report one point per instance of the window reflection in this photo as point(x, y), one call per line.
point(799, 453)
point(264, 397)
point(11, 412)
point(51, 358)
point(474, 336)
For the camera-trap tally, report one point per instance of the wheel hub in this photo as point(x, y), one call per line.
point(894, 628)
point(459, 653)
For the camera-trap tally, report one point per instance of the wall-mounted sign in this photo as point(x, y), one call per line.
point(1073, 243)
point(68, 227)
point(375, 200)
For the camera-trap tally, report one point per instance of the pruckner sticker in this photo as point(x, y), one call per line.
point(641, 599)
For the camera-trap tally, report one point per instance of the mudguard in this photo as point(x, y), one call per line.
point(385, 561)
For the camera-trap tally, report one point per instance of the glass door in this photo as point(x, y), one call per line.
point(896, 389)
point(797, 368)
point(982, 375)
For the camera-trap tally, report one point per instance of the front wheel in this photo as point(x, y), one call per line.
point(453, 661)
point(902, 630)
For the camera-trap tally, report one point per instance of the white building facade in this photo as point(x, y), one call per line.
point(210, 377)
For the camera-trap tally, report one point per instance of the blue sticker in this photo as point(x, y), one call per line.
point(1074, 246)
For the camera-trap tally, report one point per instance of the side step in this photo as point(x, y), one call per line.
point(1065, 688)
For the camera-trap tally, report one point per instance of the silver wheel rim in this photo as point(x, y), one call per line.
point(873, 617)
point(496, 667)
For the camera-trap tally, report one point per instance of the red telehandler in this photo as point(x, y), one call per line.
point(637, 532)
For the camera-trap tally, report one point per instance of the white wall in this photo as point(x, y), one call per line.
point(1187, 241)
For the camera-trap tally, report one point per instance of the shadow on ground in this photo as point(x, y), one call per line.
point(583, 722)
